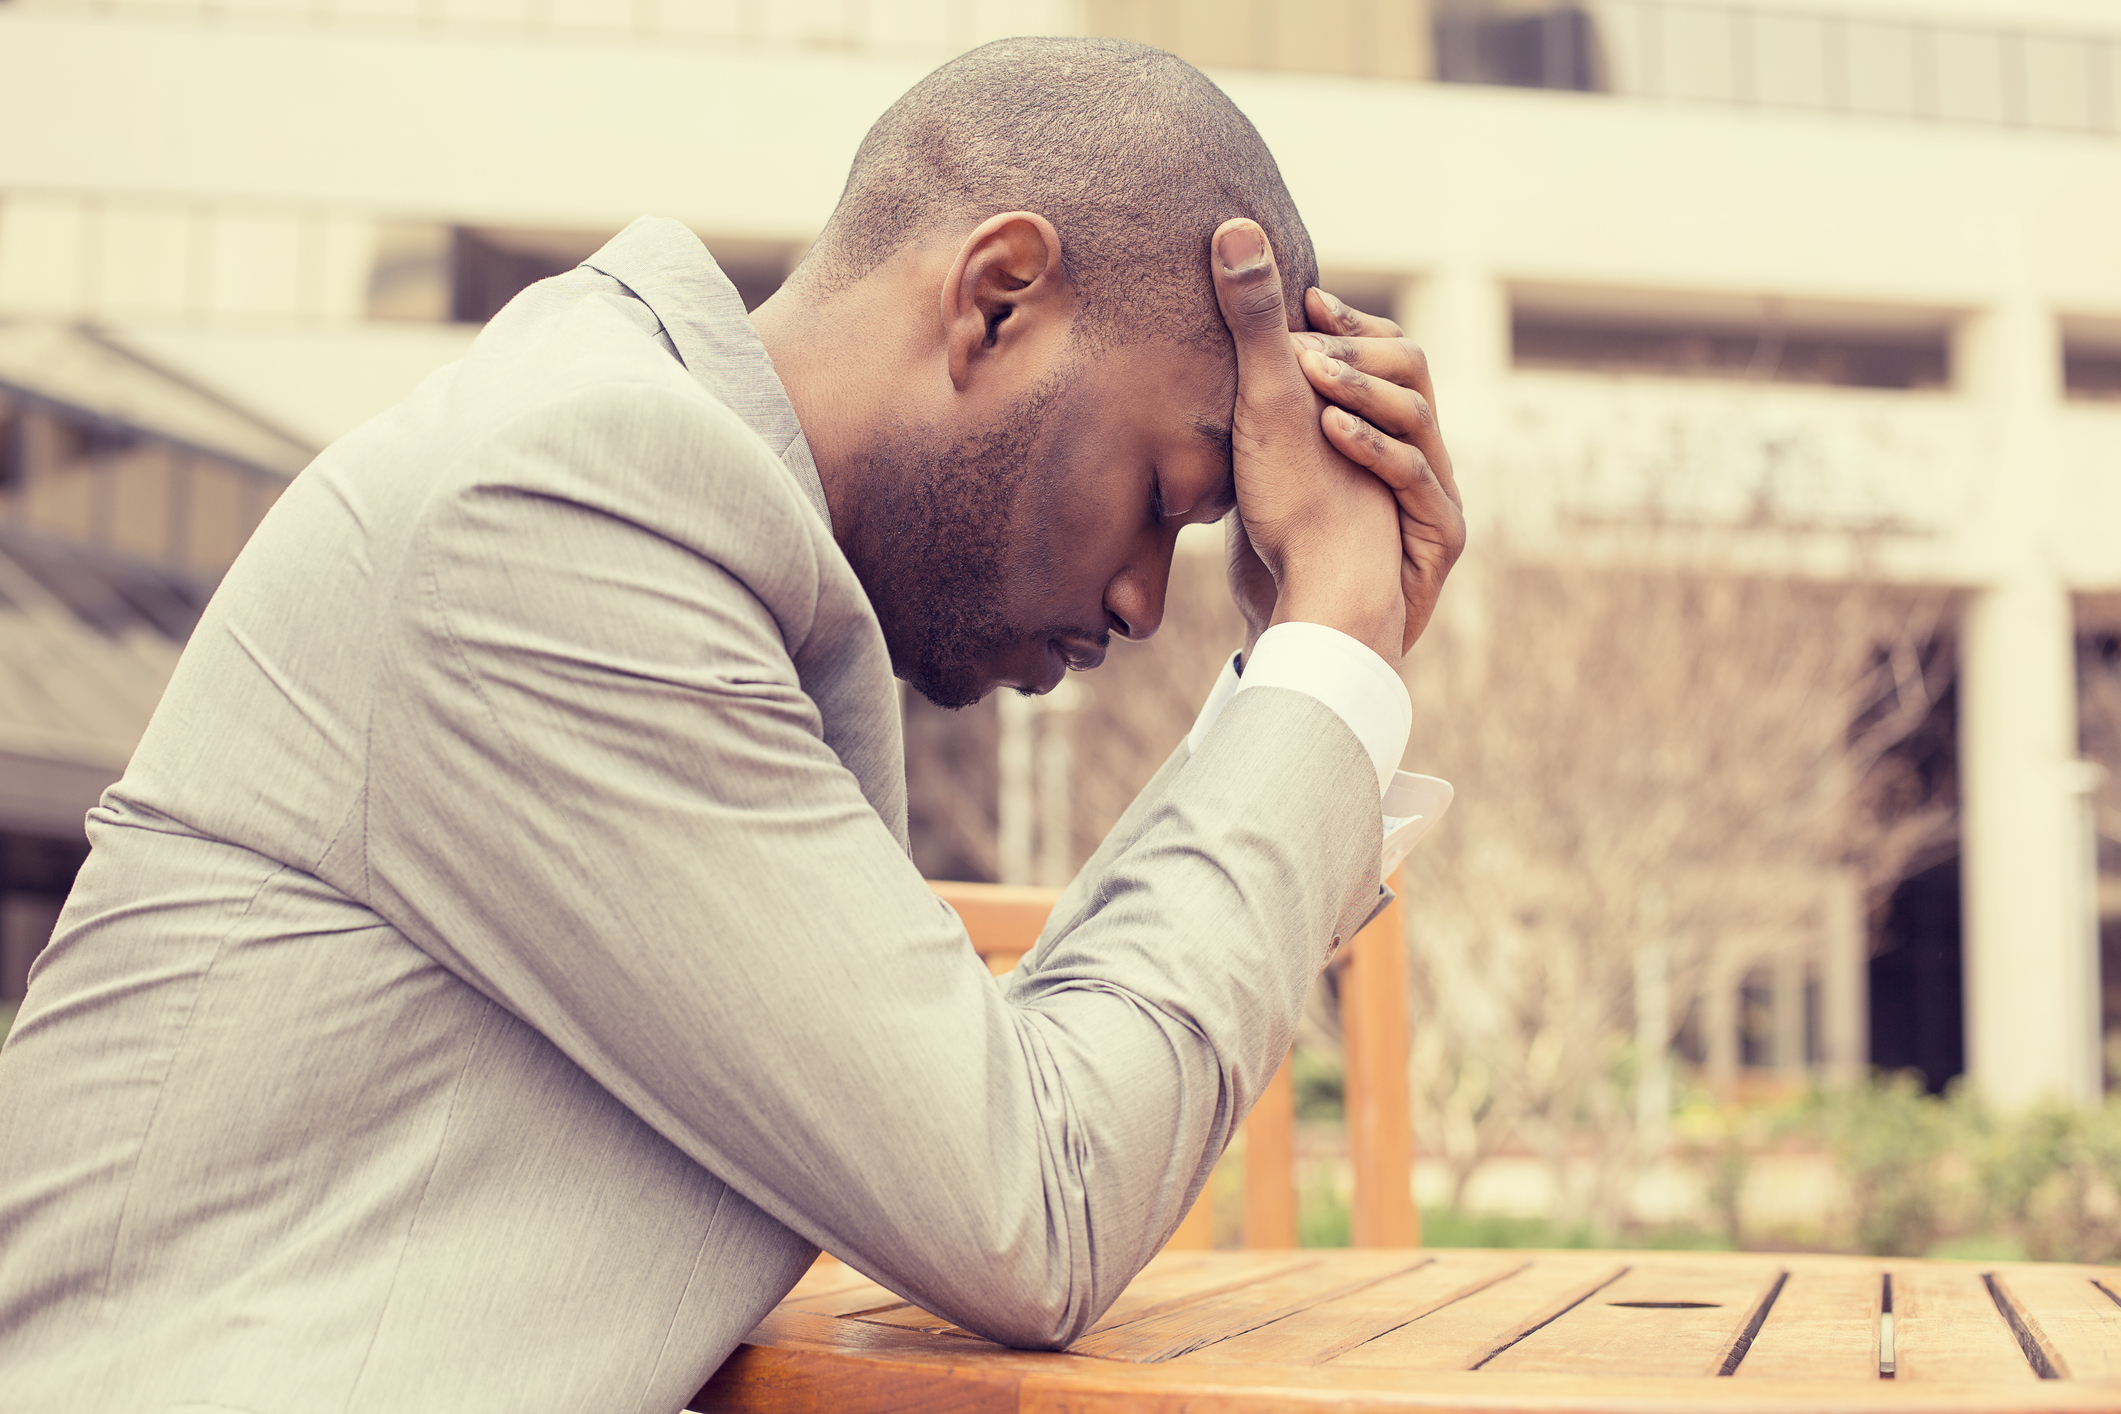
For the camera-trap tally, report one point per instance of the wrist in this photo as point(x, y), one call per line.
point(1329, 593)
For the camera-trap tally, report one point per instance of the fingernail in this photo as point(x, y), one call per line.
point(1243, 248)
point(1333, 367)
point(1311, 342)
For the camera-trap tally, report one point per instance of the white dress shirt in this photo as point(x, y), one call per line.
point(1363, 691)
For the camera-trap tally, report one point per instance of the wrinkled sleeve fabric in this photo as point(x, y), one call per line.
point(599, 793)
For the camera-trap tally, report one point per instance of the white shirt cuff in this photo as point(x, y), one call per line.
point(1348, 677)
point(1339, 671)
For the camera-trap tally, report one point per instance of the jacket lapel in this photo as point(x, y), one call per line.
point(668, 269)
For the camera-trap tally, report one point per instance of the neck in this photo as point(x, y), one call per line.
point(832, 371)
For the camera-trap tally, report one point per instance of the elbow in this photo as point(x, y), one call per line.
point(1030, 1326)
point(1048, 1317)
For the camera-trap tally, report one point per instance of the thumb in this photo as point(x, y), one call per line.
point(1248, 288)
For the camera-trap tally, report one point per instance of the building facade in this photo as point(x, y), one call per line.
point(1843, 289)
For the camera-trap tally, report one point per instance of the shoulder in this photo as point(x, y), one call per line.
point(628, 465)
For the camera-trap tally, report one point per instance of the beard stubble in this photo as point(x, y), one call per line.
point(937, 538)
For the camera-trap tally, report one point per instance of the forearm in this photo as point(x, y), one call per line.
point(645, 848)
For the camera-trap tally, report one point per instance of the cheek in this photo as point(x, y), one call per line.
point(1084, 521)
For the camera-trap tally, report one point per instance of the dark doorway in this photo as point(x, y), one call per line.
point(1918, 1007)
point(1550, 45)
point(35, 875)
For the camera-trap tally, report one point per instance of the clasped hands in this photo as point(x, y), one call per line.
point(1347, 512)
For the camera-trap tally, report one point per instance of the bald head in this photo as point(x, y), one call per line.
point(1131, 153)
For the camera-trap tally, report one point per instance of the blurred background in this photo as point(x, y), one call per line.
point(1779, 346)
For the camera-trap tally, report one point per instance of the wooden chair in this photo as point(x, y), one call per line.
point(1005, 920)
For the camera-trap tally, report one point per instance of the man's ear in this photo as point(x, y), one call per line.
point(1005, 284)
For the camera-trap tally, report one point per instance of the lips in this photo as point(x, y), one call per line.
point(1039, 666)
point(1062, 655)
point(1079, 654)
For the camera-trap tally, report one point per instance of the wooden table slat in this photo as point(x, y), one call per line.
point(795, 1367)
point(1946, 1327)
point(1175, 1280)
point(825, 1276)
point(2076, 1322)
point(1174, 1332)
point(1823, 1325)
point(1661, 1318)
point(907, 1316)
point(1449, 1332)
point(863, 1296)
point(1466, 1332)
point(1338, 1324)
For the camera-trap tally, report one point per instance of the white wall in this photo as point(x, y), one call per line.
point(584, 133)
point(139, 155)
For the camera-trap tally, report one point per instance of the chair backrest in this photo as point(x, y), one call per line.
point(1006, 919)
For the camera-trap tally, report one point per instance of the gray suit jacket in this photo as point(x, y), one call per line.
point(500, 967)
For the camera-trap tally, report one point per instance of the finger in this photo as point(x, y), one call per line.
point(1329, 315)
point(1395, 360)
point(1399, 411)
point(1248, 289)
point(1238, 547)
point(1432, 529)
point(1402, 467)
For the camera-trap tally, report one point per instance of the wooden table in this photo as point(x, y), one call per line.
point(1352, 1330)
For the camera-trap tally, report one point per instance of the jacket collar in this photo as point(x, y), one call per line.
point(668, 269)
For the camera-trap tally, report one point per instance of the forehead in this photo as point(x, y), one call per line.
point(1175, 391)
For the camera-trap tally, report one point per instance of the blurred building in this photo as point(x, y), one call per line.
point(125, 491)
point(1843, 287)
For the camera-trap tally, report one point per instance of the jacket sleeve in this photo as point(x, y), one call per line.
point(598, 792)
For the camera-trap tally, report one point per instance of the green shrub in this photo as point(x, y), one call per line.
point(1320, 1091)
point(1888, 1139)
point(2053, 1177)
point(1948, 1175)
point(1449, 1227)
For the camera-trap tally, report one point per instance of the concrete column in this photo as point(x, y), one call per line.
point(1014, 752)
point(1056, 781)
point(1460, 315)
point(1844, 982)
point(2031, 927)
point(1653, 1047)
point(2031, 930)
point(1719, 1026)
point(1789, 976)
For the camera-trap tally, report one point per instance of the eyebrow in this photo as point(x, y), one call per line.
point(1217, 435)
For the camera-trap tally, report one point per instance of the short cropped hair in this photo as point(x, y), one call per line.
point(1133, 154)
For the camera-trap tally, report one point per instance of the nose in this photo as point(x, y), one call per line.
point(1134, 599)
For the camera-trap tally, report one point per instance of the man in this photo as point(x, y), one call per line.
point(500, 968)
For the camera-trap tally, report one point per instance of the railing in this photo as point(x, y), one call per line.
point(1885, 66)
point(1777, 457)
point(1004, 922)
point(1872, 66)
point(944, 25)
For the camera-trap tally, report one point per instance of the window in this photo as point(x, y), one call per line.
point(1520, 45)
point(2091, 371)
point(1763, 345)
point(14, 450)
point(489, 267)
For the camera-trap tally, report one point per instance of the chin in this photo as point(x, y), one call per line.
point(953, 689)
